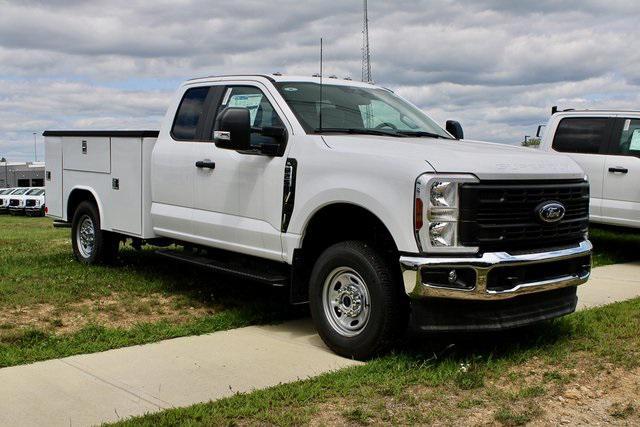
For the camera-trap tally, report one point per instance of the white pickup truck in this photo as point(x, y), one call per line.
point(606, 144)
point(345, 193)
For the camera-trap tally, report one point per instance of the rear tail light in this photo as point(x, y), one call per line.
point(46, 210)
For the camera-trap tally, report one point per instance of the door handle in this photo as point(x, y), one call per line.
point(208, 164)
point(618, 169)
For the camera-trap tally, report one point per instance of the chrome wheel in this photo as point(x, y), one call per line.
point(86, 236)
point(346, 303)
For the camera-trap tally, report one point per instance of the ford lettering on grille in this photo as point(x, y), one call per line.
point(551, 212)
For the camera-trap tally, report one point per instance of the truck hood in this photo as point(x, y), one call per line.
point(484, 159)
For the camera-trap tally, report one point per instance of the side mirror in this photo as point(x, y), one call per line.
point(232, 129)
point(539, 131)
point(455, 129)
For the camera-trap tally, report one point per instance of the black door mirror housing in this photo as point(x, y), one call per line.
point(277, 133)
point(232, 129)
point(455, 129)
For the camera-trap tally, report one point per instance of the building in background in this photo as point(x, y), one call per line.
point(15, 174)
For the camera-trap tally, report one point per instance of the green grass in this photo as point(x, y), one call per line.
point(423, 383)
point(614, 245)
point(37, 270)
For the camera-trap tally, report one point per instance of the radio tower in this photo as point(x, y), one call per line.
point(366, 57)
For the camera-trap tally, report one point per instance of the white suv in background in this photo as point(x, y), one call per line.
point(606, 144)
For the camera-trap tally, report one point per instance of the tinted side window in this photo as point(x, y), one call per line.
point(581, 135)
point(189, 113)
point(628, 144)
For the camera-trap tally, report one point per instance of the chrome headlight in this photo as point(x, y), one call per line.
point(436, 212)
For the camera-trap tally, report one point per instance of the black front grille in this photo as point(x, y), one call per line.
point(502, 216)
point(1, 202)
point(14, 202)
point(30, 203)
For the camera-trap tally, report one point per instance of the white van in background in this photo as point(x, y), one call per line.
point(606, 144)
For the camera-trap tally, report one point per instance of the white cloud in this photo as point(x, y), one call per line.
point(496, 65)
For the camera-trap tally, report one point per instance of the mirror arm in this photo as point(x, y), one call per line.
point(271, 149)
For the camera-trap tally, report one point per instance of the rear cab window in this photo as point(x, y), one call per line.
point(586, 135)
point(190, 113)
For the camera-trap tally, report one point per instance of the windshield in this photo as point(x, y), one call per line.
point(19, 192)
point(35, 192)
point(5, 191)
point(353, 109)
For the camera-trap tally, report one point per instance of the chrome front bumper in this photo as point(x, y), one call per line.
point(415, 287)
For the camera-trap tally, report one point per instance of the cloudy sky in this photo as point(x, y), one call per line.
point(495, 65)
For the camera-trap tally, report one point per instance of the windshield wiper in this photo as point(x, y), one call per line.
point(421, 133)
point(361, 131)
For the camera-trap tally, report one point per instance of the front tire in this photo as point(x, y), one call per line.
point(356, 300)
point(91, 244)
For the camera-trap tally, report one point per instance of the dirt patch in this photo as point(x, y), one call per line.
point(608, 397)
point(115, 310)
point(587, 392)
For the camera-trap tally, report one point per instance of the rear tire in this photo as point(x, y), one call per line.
point(91, 244)
point(356, 300)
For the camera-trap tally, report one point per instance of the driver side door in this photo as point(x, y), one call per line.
point(238, 202)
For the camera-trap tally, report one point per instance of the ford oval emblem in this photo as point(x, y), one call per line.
point(550, 212)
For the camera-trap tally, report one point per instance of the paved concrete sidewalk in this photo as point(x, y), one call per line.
point(117, 384)
point(112, 385)
point(611, 283)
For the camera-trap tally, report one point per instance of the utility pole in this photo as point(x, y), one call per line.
point(366, 57)
point(35, 151)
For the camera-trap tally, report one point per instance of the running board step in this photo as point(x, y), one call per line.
point(251, 268)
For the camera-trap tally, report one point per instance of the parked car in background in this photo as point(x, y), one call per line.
point(345, 193)
point(11, 194)
point(606, 144)
point(34, 202)
point(4, 199)
point(18, 198)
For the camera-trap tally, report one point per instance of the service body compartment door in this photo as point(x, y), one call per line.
point(125, 202)
point(53, 176)
point(87, 154)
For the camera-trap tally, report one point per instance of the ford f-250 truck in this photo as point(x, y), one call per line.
point(344, 192)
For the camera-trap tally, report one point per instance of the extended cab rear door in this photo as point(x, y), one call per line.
point(621, 200)
point(173, 163)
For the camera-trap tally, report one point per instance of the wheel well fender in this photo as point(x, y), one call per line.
point(331, 224)
point(80, 194)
